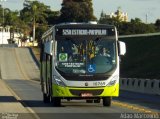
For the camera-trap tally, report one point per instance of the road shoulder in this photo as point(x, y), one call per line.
point(10, 105)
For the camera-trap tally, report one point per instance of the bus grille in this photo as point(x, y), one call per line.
point(85, 78)
point(94, 92)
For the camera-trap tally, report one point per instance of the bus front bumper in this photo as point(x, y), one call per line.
point(60, 91)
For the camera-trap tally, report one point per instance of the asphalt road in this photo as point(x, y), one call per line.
point(19, 71)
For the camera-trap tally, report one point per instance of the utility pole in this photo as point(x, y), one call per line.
point(34, 22)
point(146, 18)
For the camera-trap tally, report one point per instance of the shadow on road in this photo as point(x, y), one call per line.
point(34, 103)
point(146, 100)
point(7, 99)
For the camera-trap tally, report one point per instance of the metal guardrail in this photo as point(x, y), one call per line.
point(148, 86)
point(139, 35)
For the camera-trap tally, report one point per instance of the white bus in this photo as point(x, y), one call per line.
point(80, 61)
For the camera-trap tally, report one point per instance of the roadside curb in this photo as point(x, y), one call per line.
point(33, 56)
point(29, 111)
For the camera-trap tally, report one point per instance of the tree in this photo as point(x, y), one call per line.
point(11, 18)
point(77, 11)
point(34, 12)
point(52, 17)
point(104, 19)
point(136, 21)
point(157, 24)
point(136, 26)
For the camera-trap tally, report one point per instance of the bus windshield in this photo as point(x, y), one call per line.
point(77, 55)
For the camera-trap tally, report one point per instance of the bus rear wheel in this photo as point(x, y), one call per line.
point(46, 99)
point(56, 101)
point(107, 101)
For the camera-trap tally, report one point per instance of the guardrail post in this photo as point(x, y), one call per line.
point(148, 86)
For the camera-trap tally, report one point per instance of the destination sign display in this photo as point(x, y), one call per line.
point(85, 32)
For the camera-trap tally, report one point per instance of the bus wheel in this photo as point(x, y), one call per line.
point(89, 101)
point(97, 101)
point(107, 101)
point(46, 99)
point(56, 101)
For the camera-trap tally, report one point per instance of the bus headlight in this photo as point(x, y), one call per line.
point(59, 81)
point(113, 81)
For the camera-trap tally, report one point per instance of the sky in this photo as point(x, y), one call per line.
point(147, 10)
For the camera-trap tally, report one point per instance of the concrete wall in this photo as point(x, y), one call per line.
point(148, 86)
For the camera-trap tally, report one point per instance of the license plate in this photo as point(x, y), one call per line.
point(86, 94)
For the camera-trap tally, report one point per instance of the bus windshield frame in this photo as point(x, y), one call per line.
point(91, 51)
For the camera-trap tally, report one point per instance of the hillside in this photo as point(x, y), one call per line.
point(142, 59)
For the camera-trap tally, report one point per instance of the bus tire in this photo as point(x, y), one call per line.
point(46, 99)
point(56, 101)
point(107, 101)
point(89, 101)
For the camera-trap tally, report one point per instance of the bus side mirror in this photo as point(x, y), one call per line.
point(48, 47)
point(122, 48)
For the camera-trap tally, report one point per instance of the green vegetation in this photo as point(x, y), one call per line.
point(135, 26)
point(35, 18)
point(157, 24)
point(34, 13)
point(142, 59)
point(77, 11)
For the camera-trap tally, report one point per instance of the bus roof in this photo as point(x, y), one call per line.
point(83, 25)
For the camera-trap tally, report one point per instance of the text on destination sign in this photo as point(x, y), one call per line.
point(84, 32)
